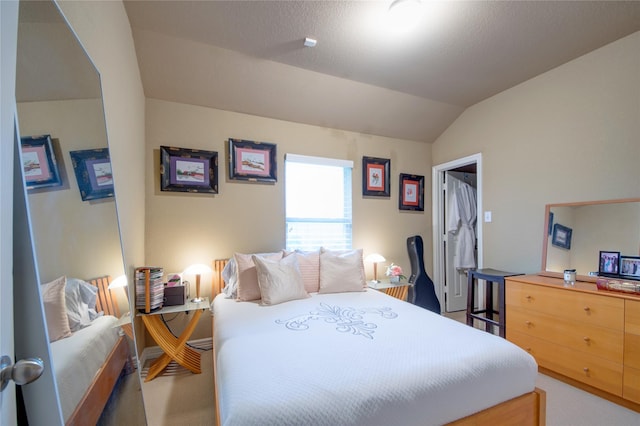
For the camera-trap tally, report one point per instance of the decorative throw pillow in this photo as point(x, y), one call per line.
point(55, 309)
point(248, 288)
point(279, 280)
point(341, 271)
point(309, 263)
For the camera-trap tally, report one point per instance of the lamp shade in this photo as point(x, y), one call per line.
point(374, 258)
point(119, 282)
point(197, 269)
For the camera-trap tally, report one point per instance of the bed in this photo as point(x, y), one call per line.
point(363, 358)
point(88, 361)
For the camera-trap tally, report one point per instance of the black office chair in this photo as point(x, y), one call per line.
point(422, 292)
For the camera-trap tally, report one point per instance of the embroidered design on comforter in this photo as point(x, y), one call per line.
point(347, 320)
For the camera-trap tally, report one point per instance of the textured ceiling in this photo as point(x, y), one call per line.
point(248, 56)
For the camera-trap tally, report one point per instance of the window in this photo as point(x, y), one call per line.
point(317, 203)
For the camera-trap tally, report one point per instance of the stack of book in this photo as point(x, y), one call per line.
point(149, 288)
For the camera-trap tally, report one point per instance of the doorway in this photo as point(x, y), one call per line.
point(450, 264)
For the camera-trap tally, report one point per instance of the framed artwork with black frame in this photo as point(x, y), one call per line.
point(188, 170)
point(630, 267)
point(93, 173)
point(411, 195)
point(561, 236)
point(252, 161)
point(376, 177)
point(609, 263)
point(39, 165)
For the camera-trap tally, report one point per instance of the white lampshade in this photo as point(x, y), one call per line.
point(197, 269)
point(119, 282)
point(374, 258)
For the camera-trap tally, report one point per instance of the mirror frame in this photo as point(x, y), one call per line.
point(545, 239)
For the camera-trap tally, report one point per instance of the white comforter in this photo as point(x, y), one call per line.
point(357, 359)
point(77, 359)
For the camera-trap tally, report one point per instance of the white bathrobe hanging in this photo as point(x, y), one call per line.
point(462, 221)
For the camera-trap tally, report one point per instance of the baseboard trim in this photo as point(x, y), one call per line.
point(153, 352)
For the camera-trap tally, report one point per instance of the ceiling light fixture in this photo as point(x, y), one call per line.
point(310, 42)
point(404, 12)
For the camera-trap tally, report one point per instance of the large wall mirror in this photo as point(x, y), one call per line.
point(576, 233)
point(74, 229)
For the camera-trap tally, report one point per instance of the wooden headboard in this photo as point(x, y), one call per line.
point(217, 283)
point(105, 302)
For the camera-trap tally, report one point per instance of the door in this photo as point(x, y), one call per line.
point(440, 246)
point(455, 279)
point(8, 40)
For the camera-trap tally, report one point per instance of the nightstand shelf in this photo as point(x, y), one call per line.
point(397, 290)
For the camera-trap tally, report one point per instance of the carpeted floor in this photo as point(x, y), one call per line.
point(179, 398)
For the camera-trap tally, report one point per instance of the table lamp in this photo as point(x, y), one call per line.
point(197, 270)
point(375, 258)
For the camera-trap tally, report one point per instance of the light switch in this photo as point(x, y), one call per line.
point(487, 216)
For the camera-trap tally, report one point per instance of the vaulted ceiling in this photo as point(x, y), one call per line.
point(249, 57)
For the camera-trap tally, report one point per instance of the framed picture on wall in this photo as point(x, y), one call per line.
point(252, 161)
point(188, 170)
point(93, 173)
point(39, 165)
point(411, 195)
point(376, 177)
point(609, 263)
point(561, 236)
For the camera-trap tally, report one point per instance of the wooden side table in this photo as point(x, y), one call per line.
point(174, 348)
point(397, 290)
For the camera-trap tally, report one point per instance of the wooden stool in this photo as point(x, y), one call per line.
point(486, 315)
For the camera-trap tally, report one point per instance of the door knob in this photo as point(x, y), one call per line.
point(22, 372)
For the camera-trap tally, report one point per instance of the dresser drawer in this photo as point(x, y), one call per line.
point(632, 317)
point(570, 305)
point(596, 341)
point(631, 386)
point(632, 350)
point(591, 370)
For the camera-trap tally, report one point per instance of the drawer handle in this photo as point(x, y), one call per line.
point(586, 370)
point(528, 323)
point(586, 339)
point(587, 309)
point(528, 298)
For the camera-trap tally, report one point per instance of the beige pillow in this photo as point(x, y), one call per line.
point(55, 309)
point(341, 271)
point(248, 288)
point(309, 264)
point(279, 280)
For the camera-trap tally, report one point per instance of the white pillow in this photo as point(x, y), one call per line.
point(248, 288)
point(279, 280)
point(55, 309)
point(309, 264)
point(80, 299)
point(341, 271)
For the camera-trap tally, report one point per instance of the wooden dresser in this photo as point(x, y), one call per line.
point(586, 337)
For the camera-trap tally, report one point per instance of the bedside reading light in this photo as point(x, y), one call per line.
point(197, 270)
point(375, 258)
